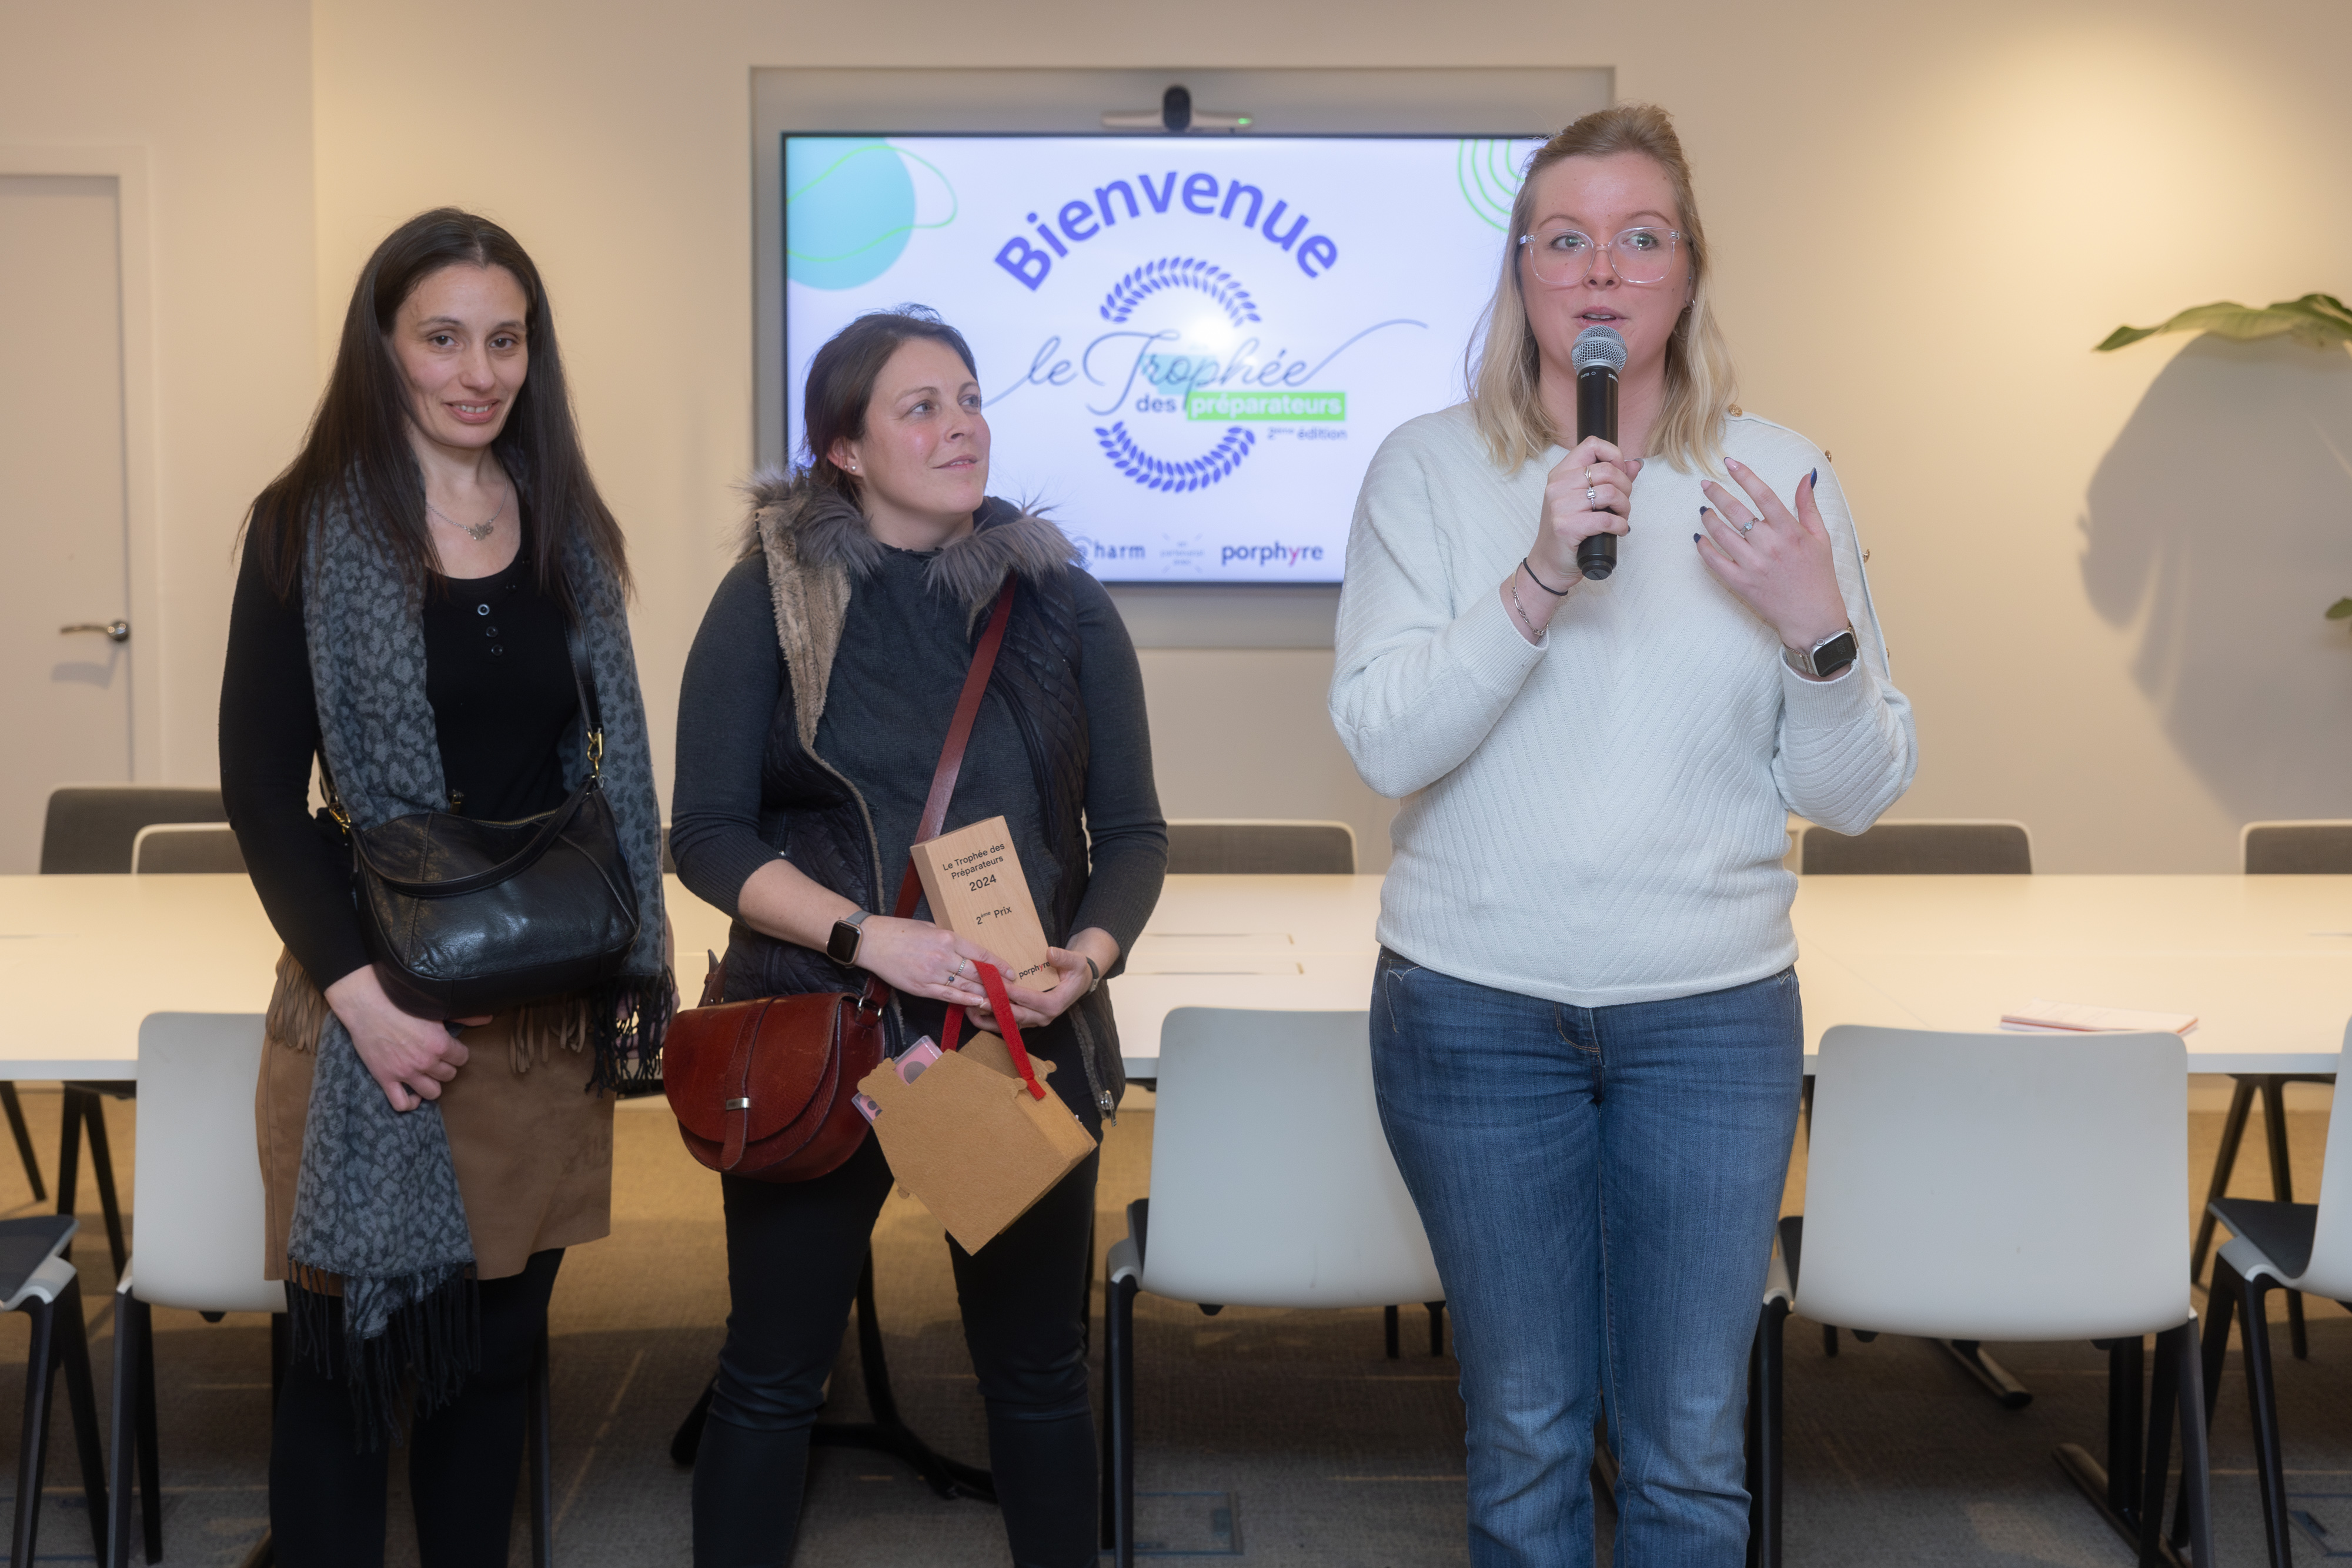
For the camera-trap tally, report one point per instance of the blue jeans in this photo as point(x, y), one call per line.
point(1600, 1186)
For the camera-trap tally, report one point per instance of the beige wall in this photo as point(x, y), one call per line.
point(218, 99)
point(2103, 576)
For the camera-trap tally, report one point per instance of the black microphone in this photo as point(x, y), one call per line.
point(1598, 356)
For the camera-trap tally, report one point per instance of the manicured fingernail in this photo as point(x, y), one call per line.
point(1702, 511)
point(1814, 478)
point(1693, 539)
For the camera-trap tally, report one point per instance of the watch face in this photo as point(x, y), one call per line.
point(842, 947)
point(1835, 654)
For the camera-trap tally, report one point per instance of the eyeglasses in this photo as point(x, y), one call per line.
point(1561, 255)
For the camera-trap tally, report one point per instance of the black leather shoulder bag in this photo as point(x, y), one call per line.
point(466, 917)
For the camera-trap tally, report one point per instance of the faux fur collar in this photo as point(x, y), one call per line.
point(816, 543)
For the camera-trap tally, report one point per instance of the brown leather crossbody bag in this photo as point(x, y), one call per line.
point(762, 1088)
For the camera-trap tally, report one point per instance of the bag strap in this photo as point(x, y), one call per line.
point(943, 778)
point(591, 712)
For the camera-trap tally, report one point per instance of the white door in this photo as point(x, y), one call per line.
point(65, 694)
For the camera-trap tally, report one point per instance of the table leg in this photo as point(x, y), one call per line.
point(2113, 1488)
point(1996, 1379)
point(2233, 1132)
point(887, 1432)
point(23, 1137)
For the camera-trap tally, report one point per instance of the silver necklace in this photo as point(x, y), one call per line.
point(477, 532)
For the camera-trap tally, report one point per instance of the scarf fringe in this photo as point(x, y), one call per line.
point(434, 1342)
point(297, 1012)
point(630, 1015)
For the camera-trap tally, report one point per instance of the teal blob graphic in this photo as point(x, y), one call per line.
point(849, 205)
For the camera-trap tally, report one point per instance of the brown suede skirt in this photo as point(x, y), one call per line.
point(533, 1149)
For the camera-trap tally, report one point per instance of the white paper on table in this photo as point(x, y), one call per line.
point(2040, 1017)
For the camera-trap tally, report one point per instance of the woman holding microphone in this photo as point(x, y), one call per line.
point(1585, 1028)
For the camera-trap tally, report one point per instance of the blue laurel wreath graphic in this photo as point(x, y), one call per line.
point(1178, 272)
point(1158, 474)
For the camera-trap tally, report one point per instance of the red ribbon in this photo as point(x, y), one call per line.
point(992, 983)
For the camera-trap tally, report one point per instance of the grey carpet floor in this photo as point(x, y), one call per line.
point(1272, 1438)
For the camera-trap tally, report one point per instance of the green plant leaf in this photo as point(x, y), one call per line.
point(2340, 610)
point(2316, 321)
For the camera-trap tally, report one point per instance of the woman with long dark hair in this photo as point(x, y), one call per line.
point(816, 699)
point(1585, 1030)
point(401, 616)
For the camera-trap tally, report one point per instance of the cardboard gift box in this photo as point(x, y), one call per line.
point(973, 1139)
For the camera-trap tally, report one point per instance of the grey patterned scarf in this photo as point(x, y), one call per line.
point(376, 1206)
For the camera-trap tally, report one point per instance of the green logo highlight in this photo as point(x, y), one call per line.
point(1205, 402)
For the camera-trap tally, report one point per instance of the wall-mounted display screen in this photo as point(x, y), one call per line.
point(1190, 346)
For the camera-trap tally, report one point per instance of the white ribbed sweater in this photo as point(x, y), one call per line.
point(1601, 817)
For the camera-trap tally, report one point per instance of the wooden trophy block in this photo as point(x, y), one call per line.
point(972, 879)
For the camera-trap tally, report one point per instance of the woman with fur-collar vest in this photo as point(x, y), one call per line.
point(816, 700)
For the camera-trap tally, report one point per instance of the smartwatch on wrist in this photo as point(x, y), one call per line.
point(1825, 658)
point(842, 945)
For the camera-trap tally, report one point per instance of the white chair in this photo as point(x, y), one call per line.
point(179, 848)
point(1272, 1185)
point(2279, 1246)
point(203, 1227)
point(36, 1280)
point(1936, 846)
point(1973, 1187)
point(2273, 849)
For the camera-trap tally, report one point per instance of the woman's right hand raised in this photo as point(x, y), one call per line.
point(409, 1057)
point(920, 959)
point(1587, 492)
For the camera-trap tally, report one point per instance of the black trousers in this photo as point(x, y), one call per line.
point(327, 1494)
point(793, 1254)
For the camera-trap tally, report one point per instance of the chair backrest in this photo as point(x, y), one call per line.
point(1236, 846)
point(2016, 1187)
point(182, 847)
point(2330, 1271)
point(1272, 1184)
point(2296, 848)
point(1919, 849)
point(196, 1189)
point(91, 827)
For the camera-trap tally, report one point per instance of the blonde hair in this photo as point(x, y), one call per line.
point(1504, 371)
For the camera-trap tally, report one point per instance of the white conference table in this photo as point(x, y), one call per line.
point(84, 958)
point(2264, 962)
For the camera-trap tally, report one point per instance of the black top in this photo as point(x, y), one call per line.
point(499, 683)
point(901, 667)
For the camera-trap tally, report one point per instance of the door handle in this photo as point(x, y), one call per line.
point(116, 631)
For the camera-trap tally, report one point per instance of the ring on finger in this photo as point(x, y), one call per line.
point(1748, 528)
point(1591, 494)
